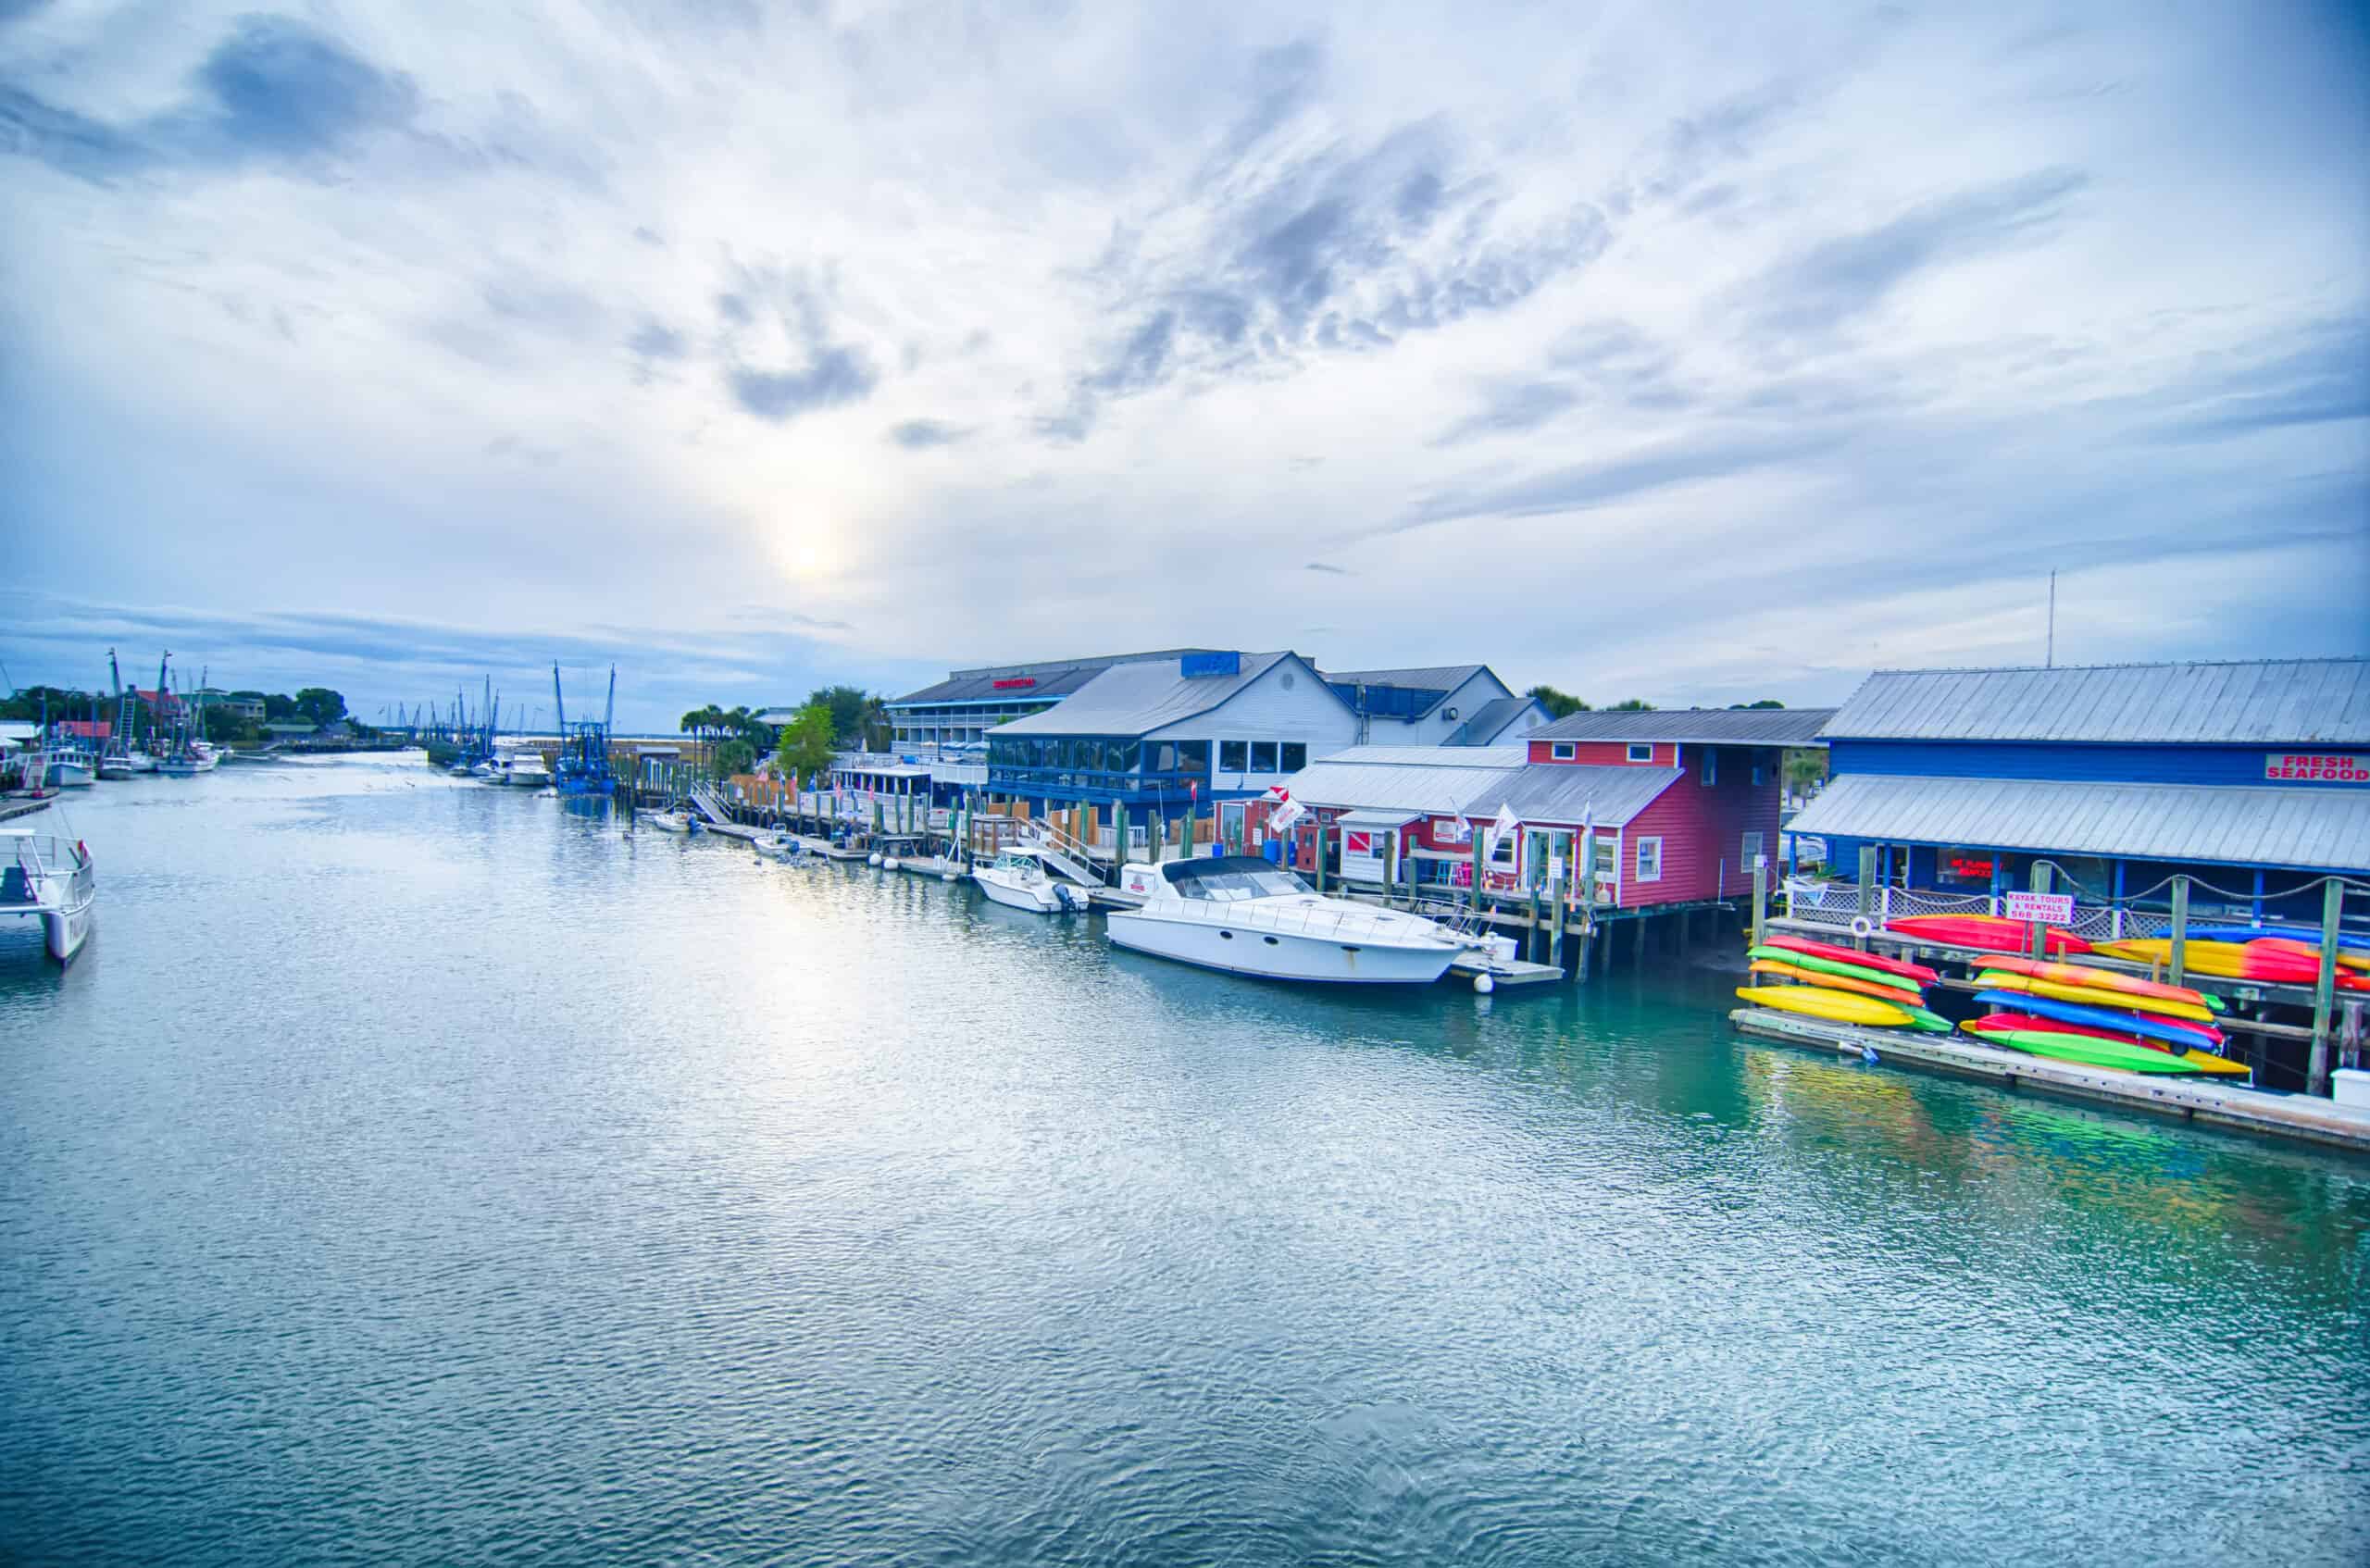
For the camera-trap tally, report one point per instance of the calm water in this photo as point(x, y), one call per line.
point(414, 1171)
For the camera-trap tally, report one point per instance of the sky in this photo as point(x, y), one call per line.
point(1693, 353)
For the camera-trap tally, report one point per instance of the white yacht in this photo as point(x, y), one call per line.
point(47, 876)
point(1247, 917)
point(125, 764)
point(1018, 880)
point(674, 822)
point(526, 769)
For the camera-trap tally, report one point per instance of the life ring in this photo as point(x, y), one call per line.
point(1861, 925)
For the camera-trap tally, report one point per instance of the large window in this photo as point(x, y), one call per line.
point(1193, 758)
point(1263, 756)
point(1295, 756)
point(1234, 756)
point(1649, 860)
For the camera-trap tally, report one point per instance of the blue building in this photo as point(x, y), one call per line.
point(2250, 778)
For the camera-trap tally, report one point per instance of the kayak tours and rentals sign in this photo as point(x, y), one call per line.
point(2315, 767)
point(2048, 909)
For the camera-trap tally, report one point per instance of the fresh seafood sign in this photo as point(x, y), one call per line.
point(2316, 767)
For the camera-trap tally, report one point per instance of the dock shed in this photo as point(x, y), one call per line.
point(2249, 780)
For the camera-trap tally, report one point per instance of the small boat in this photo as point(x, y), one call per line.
point(674, 822)
point(2195, 1056)
point(525, 770)
point(1853, 955)
point(1898, 985)
point(48, 878)
point(2094, 996)
point(782, 846)
point(2171, 1031)
point(1837, 1007)
point(1245, 916)
point(2088, 1050)
point(1802, 976)
point(73, 770)
point(1017, 880)
point(2102, 980)
point(1987, 933)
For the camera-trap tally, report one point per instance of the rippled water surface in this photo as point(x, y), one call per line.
point(410, 1170)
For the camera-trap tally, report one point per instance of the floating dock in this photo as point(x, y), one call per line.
point(2301, 1116)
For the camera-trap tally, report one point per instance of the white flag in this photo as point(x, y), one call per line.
point(1504, 823)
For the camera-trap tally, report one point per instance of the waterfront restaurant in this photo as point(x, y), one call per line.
point(951, 717)
point(2250, 778)
point(1155, 738)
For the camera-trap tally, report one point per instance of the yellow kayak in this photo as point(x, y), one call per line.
point(2225, 959)
point(1840, 1007)
point(2092, 996)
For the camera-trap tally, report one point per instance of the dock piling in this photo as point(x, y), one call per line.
point(2317, 1075)
point(2181, 929)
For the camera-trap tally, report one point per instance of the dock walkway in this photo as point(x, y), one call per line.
point(2200, 1099)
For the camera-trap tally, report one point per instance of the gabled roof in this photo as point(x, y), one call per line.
point(1424, 677)
point(2267, 701)
point(1700, 726)
point(1565, 792)
point(1141, 696)
point(1428, 778)
point(1489, 721)
point(2313, 829)
point(1053, 678)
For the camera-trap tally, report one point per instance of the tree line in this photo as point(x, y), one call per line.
point(833, 719)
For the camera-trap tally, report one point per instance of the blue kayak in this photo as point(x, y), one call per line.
point(2309, 935)
point(2096, 1018)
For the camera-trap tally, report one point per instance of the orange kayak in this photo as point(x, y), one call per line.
point(2100, 980)
point(1893, 994)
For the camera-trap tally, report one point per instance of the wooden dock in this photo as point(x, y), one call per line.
point(11, 810)
point(2297, 1116)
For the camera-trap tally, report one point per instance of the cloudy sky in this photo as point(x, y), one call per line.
point(1697, 353)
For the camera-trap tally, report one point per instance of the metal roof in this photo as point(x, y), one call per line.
point(2312, 828)
point(1138, 697)
point(1564, 793)
point(2272, 702)
point(1492, 717)
point(1425, 677)
point(1378, 817)
point(1700, 727)
point(1430, 779)
point(1053, 681)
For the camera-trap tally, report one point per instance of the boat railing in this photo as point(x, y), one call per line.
point(42, 859)
point(1304, 920)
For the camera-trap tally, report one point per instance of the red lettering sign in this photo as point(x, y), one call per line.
point(1016, 683)
point(2315, 767)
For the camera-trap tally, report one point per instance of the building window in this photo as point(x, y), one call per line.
point(1263, 756)
point(1565, 750)
point(1641, 751)
point(1295, 756)
point(1711, 767)
point(1649, 860)
point(1756, 776)
point(1193, 758)
point(1750, 851)
point(1234, 756)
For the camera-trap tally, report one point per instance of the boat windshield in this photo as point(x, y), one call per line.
point(1231, 878)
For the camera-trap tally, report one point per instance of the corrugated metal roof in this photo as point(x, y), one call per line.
point(2280, 702)
point(2312, 828)
point(1564, 793)
point(1427, 678)
point(1141, 696)
point(1052, 681)
point(1430, 779)
point(1702, 727)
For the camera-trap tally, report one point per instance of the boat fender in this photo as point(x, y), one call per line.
point(1868, 1055)
point(1484, 984)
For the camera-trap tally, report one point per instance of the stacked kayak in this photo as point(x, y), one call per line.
point(2274, 960)
point(2073, 1013)
point(1984, 933)
point(1841, 985)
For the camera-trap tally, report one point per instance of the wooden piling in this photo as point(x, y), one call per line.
point(2181, 929)
point(2044, 880)
point(1760, 901)
point(2317, 1075)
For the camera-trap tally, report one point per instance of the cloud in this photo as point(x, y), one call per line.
point(653, 340)
point(917, 435)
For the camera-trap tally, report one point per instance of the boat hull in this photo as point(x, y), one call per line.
point(72, 775)
point(65, 932)
point(1279, 955)
point(1037, 897)
point(1987, 933)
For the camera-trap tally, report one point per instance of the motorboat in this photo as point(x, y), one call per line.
point(46, 877)
point(675, 822)
point(73, 770)
point(125, 765)
point(526, 769)
point(198, 759)
point(782, 846)
point(1249, 917)
point(1017, 880)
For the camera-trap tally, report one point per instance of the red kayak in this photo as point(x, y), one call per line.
point(1986, 933)
point(1901, 966)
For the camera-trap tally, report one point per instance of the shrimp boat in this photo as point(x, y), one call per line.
point(1017, 880)
point(1247, 917)
point(46, 877)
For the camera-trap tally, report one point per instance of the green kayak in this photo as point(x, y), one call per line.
point(1818, 965)
point(1931, 1023)
point(2085, 1048)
